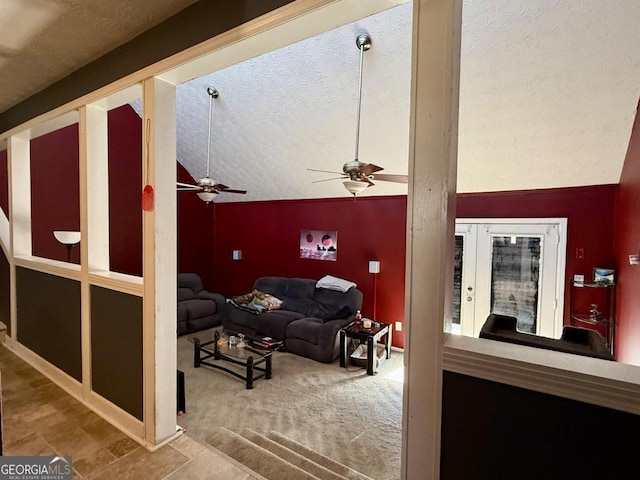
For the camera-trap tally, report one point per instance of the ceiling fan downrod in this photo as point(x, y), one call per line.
point(213, 93)
point(363, 42)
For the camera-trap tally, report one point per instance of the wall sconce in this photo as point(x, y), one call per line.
point(236, 255)
point(68, 239)
point(374, 268)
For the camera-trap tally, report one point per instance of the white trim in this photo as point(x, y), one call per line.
point(46, 265)
point(598, 382)
point(118, 282)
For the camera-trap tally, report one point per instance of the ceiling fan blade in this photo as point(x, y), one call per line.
point(391, 178)
point(324, 171)
point(231, 190)
point(327, 179)
point(366, 180)
point(186, 186)
point(220, 186)
point(370, 168)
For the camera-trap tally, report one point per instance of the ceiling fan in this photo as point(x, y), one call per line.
point(359, 175)
point(207, 188)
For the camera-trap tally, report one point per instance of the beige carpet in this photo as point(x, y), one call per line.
point(346, 415)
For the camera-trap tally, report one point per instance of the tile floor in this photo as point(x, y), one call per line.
point(39, 418)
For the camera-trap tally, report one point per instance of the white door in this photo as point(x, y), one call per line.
point(511, 267)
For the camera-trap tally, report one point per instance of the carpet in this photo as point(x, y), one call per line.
point(343, 414)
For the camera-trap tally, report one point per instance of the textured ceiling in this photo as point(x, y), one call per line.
point(42, 41)
point(548, 96)
point(295, 108)
point(549, 91)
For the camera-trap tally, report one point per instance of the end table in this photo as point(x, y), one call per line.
point(369, 336)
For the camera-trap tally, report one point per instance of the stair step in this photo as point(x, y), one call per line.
point(256, 457)
point(291, 456)
point(337, 467)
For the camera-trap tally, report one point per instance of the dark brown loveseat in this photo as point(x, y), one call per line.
point(308, 320)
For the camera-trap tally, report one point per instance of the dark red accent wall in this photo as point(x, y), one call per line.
point(195, 233)
point(125, 190)
point(268, 233)
point(590, 220)
point(55, 192)
point(627, 237)
point(4, 183)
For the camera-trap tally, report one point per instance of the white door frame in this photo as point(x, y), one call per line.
point(552, 270)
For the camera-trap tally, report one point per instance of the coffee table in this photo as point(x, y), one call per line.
point(247, 357)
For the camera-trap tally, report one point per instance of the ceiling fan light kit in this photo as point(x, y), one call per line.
point(355, 187)
point(207, 189)
point(357, 174)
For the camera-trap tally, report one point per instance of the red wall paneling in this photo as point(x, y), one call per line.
point(55, 192)
point(627, 236)
point(268, 233)
point(4, 183)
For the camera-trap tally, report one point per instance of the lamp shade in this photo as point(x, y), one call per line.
point(66, 237)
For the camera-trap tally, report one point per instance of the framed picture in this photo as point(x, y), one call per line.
point(319, 245)
point(603, 276)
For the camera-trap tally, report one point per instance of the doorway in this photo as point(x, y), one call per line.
point(511, 266)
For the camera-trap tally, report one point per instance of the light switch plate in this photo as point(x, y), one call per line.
point(578, 280)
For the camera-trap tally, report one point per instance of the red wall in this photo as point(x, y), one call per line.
point(590, 220)
point(268, 233)
point(55, 192)
point(627, 237)
point(4, 183)
point(125, 190)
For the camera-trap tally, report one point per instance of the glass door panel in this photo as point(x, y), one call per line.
point(515, 278)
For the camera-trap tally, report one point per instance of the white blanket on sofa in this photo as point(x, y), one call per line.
point(335, 283)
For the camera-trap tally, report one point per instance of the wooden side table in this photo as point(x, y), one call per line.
point(371, 338)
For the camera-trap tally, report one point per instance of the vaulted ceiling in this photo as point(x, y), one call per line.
point(548, 94)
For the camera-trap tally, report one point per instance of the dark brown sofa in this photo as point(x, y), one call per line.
point(308, 320)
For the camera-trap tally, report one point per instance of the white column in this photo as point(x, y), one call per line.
point(19, 169)
point(431, 227)
point(95, 169)
point(159, 260)
point(19, 159)
point(94, 217)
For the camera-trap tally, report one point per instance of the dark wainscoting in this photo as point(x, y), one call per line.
point(49, 318)
point(116, 348)
point(5, 291)
point(496, 431)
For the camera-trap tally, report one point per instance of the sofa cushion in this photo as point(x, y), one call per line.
point(198, 308)
point(307, 329)
point(183, 313)
point(274, 323)
point(300, 288)
point(186, 294)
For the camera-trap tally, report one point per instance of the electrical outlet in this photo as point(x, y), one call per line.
point(398, 326)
